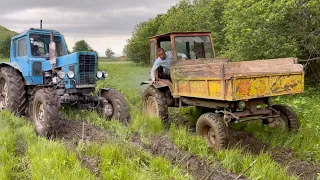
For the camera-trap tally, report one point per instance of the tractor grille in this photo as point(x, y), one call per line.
point(87, 68)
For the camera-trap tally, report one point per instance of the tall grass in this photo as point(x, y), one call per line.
point(24, 155)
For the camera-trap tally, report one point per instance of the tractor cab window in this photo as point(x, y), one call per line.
point(39, 45)
point(194, 47)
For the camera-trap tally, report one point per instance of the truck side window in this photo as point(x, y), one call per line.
point(152, 52)
point(22, 47)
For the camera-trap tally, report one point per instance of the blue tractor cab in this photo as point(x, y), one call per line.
point(42, 75)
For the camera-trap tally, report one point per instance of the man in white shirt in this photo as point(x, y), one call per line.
point(163, 61)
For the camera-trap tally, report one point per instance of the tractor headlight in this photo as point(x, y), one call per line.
point(61, 74)
point(99, 74)
point(71, 74)
point(105, 74)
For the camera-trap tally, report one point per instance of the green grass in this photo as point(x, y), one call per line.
point(42, 159)
point(130, 77)
point(4, 59)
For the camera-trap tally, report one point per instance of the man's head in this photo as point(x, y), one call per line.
point(162, 54)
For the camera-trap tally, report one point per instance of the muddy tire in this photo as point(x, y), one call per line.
point(12, 92)
point(45, 112)
point(154, 104)
point(212, 128)
point(288, 118)
point(117, 106)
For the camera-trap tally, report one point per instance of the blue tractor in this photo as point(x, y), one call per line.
point(41, 76)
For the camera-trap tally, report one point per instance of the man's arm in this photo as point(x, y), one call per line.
point(181, 54)
point(154, 68)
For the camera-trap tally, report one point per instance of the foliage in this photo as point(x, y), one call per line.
point(241, 30)
point(109, 53)
point(81, 45)
point(5, 47)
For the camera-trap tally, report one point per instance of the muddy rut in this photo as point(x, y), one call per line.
point(303, 169)
point(73, 131)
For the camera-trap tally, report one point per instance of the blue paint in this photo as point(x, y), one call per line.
point(23, 60)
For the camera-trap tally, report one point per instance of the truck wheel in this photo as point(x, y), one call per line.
point(288, 120)
point(116, 107)
point(45, 112)
point(213, 129)
point(12, 92)
point(154, 104)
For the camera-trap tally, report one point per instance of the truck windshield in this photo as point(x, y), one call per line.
point(39, 44)
point(194, 47)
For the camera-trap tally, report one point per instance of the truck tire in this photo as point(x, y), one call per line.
point(213, 129)
point(45, 112)
point(154, 104)
point(288, 117)
point(12, 91)
point(117, 105)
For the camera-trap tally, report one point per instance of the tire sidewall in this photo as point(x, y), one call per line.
point(204, 120)
point(39, 98)
point(150, 91)
point(108, 95)
point(3, 75)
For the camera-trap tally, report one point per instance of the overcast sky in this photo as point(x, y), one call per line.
point(102, 23)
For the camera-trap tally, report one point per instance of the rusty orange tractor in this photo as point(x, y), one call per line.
point(231, 91)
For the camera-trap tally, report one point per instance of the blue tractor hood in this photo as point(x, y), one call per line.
point(66, 60)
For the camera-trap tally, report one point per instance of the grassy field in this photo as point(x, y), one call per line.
point(160, 153)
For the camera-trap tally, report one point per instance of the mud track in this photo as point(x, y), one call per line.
point(71, 132)
point(74, 131)
point(199, 168)
point(286, 157)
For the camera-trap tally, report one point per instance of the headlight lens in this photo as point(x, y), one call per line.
point(61, 74)
point(71, 74)
point(105, 74)
point(99, 74)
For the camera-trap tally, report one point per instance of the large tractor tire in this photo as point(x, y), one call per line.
point(116, 107)
point(213, 129)
point(12, 91)
point(154, 104)
point(45, 112)
point(288, 120)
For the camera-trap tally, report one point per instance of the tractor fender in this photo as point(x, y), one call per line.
point(163, 83)
point(103, 90)
point(12, 64)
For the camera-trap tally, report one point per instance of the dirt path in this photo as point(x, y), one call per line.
point(199, 168)
point(286, 157)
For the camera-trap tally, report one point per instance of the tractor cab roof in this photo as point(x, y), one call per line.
point(196, 33)
point(37, 31)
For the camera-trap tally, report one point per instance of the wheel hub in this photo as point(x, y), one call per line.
point(152, 107)
point(108, 109)
point(279, 122)
point(39, 116)
point(210, 135)
point(3, 96)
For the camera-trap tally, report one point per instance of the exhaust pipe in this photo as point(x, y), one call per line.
point(40, 24)
point(52, 53)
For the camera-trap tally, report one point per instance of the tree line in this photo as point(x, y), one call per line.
point(80, 45)
point(241, 29)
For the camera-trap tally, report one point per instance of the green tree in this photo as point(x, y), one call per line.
point(81, 45)
point(5, 47)
point(109, 53)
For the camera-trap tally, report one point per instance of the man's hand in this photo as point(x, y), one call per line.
point(153, 82)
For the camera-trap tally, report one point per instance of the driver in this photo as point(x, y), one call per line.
point(162, 64)
point(35, 50)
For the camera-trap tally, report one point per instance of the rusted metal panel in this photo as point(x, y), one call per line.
point(234, 81)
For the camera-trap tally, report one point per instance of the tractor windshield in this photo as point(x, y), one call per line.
point(194, 47)
point(39, 44)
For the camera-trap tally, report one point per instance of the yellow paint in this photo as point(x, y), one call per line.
point(240, 88)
